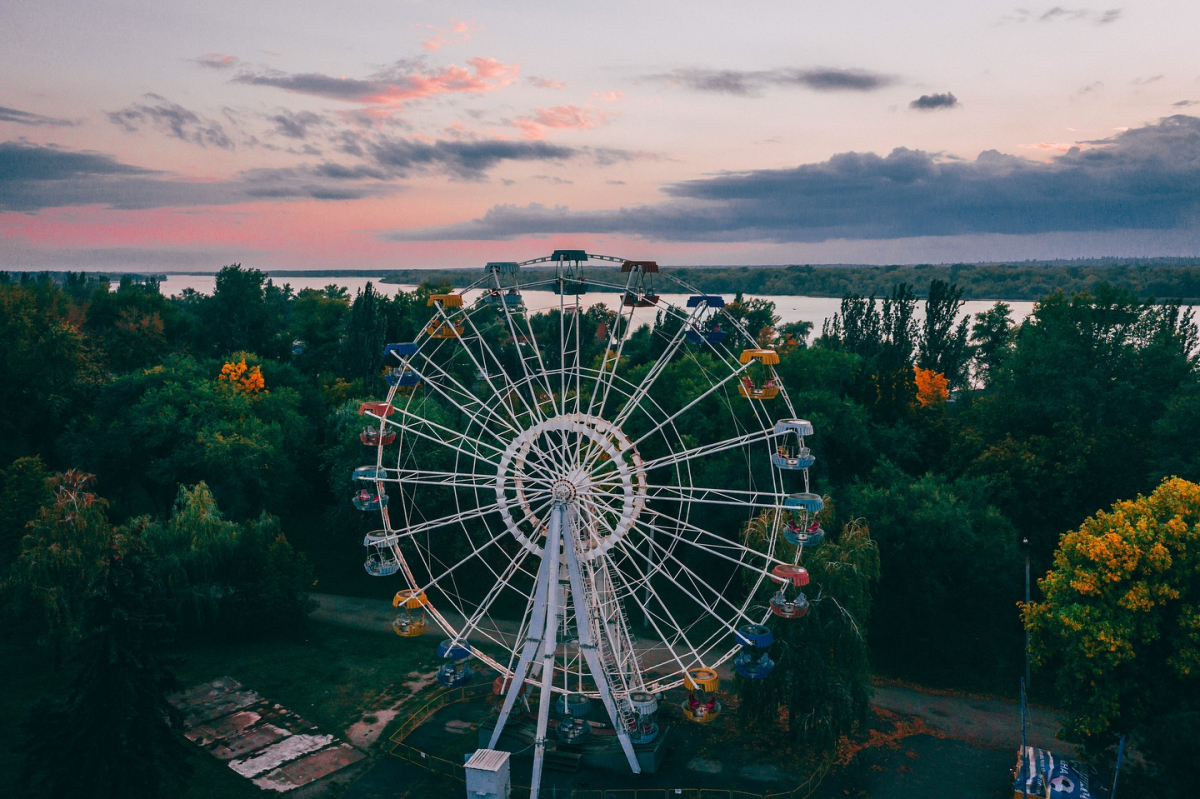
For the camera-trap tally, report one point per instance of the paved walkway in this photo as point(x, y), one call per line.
point(993, 723)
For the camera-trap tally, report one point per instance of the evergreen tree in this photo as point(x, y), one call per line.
point(116, 726)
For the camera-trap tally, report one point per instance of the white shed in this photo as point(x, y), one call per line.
point(487, 775)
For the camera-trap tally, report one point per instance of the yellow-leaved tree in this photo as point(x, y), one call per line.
point(1120, 621)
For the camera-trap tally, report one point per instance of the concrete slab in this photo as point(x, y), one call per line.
point(309, 769)
point(204, 693)
point(222, 728)
point(222, 705)
point(249, 742)
point(279, 753)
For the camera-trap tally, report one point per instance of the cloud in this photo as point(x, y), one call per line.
point(33, 120)
point(403, 82)
point(560, 117)
point(295, 125)
point(743, 83)
point(1184, 103)
point(545, 83)
point(1060, 14)
point(458, 31)
point(933, 102)
point(33, 177)
point(467, 160)
point(217, 61)
point(1145, 178)
point(174, 120)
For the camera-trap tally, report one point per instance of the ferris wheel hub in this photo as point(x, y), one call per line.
point(562, 492)
point(576, 459)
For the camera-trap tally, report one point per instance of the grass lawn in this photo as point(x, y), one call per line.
point(331, 676)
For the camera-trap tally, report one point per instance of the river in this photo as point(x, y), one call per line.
point(789, 307)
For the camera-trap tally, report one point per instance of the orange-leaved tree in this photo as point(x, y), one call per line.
point(1120, 621)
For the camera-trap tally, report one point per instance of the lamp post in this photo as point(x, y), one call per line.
point(1025, 546)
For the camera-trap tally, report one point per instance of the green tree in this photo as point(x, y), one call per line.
point(245, 312)
point(116, 722)
point(182, 422)
point(943, 342)
point(991, 337)
point(1119, 624)
point(46, 587)
point(939, 543)
point(822, 679)
point(1066, 425)
point(46, 368)
point(24, 491)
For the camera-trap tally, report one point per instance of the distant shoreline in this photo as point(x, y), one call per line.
point(1164, 279)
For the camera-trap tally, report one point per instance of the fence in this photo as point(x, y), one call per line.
point(448, 768)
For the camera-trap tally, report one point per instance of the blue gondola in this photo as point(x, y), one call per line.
point(804, 501)
point(711, 300)
point(754, 662)
point(369, 497)
point(400, 351)
point(454, 672)
point(714, 336)
point(569, 255)
point(404, 378)
point(800, 537)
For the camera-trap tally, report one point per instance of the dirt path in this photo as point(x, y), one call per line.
point(993, 723)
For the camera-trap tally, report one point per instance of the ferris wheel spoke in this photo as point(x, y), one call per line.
point(536, 408)
point(697, 580)
point(453, 518)
point(472, 414)
point(714, 548)
point(670, 419)
point(503, 580)
point(669, 641)
point(705, 603)
point(482, 369)
point(476, 553)
point(648, 381)
point(434, 439)
point(715, 496)
point(709, 449)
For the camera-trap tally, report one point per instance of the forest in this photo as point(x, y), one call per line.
point(179, 466)
point(1161, 278)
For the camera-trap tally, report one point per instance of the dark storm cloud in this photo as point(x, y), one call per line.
point(33, 177)
point(174, 120)
point(468, 160)
point(752, 83)
point(1145, 178)
point(33, 120)
point(933, 102)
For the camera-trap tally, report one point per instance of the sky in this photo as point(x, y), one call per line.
point(302, 135)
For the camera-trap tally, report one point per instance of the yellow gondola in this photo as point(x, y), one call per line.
point(412, 621)
point(751, 390)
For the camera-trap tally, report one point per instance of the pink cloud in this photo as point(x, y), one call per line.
point(546, 83)
point(218, 61)
point(614, 96)
point(560, 117)
point(460, 30)
point(400, 84)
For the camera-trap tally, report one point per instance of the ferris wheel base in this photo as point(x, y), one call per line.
point(602, 749)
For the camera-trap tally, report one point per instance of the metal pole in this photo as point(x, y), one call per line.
point(1026, 766)
point(1025, 545)
point(1120, 757)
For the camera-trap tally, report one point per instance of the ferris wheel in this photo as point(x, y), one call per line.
point(564, 495)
